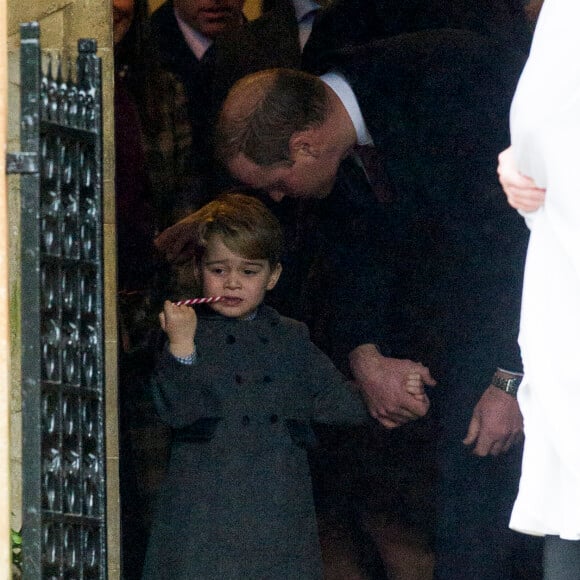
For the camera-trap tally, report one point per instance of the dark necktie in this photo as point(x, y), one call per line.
point(352, 184)
point(370, 160)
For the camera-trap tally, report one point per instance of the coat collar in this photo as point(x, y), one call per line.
point(265, 313)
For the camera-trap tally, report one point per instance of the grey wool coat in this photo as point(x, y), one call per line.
point(237, 499)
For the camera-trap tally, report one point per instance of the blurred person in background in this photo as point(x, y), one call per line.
point(184, 32)
point(152, 168)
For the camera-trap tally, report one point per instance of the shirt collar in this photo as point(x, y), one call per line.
point(304, 8)
point(338, 83)
point(305, 12)
point(251, 316)
point(197, 42)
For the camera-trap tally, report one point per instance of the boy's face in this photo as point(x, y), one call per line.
point(243, 283)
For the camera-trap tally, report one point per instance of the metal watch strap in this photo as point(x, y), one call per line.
point(507, 385)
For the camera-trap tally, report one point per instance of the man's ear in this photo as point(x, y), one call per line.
point(274, 276)
point(304, 143)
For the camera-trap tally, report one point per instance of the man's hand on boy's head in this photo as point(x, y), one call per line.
point(180, 324)
point(175, 243)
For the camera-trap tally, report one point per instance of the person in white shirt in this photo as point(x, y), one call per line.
point(539, 174)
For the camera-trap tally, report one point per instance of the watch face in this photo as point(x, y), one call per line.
point(509, 386)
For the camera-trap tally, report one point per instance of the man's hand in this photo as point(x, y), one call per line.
point(521, 191)
point(496, 424)
point(383, 382)
point(175, 242)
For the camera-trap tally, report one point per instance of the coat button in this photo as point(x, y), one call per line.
point(245, 420)
point(230, 339)
point(264, 340)
point(273, 418)
point(239, 379)
point(267, 379)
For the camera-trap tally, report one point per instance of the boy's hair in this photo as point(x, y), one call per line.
point(243, 223)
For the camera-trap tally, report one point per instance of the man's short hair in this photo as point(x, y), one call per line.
point(243, 223)
point(264, 110)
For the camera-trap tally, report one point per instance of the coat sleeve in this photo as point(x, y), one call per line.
point(180, 394)
point(336, 399)
point(357, 274)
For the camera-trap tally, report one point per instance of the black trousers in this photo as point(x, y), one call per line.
point(473, 501)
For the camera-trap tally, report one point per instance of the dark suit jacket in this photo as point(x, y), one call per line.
point(436, 273)
point(270, 41)
point(356, 22)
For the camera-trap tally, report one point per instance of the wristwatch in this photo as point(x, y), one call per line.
point(508, 385)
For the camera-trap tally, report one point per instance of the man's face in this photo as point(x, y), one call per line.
point(211, 17)
point(123, 11)
point(307, 177)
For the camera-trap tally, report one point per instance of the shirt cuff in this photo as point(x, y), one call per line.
point(184, 360)
point(515, 373)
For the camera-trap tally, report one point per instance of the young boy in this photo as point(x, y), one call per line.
point(239, 385)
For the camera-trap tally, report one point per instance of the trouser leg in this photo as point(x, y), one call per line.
point(561, 559)
point(473, 500)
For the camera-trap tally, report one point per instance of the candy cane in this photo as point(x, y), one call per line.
point(192, 301)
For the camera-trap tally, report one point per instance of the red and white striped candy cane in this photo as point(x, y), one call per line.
point(192, 301)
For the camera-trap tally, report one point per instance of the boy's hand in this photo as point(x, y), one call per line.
point(180, 324)
point(415, 386)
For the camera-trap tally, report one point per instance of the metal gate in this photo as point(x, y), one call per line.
point(63, 409)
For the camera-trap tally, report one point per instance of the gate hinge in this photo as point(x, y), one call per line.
point(22, 162)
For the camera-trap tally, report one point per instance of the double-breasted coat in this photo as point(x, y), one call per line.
point(237, 499)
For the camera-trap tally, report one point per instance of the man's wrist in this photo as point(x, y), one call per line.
point(507, 381)
point(360, 358)
point(362, 354)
